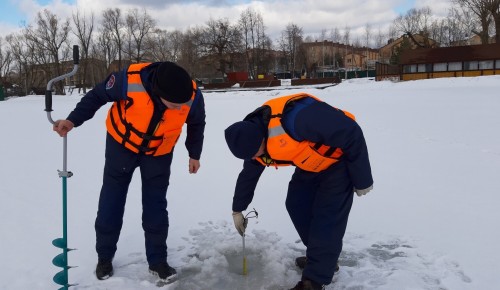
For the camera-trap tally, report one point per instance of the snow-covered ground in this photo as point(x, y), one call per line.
point(431, 222)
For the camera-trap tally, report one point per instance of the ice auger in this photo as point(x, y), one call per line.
point(61, 260)
point(251, 214)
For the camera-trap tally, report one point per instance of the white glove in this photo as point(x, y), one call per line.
point(361, 192)
point(240, 223)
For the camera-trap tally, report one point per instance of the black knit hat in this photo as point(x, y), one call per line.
point(244, 139)
point(172, 83)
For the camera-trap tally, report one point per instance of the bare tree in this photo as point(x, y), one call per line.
point(455, 29)
point(176, 40)
point(368, 35)
point(357, 43)
point(221, 39)
point(346, 38)
point(322, 35)
point(164, 45)
point(192, 51)
point(263, 56)
point(83, 29)
point(246, 25)
point(159, 44)
point(266, 61)
point(438, 31)
point(104, 48)
point(392, 34)
point(323, 38)
point(252, 28)
point(48, 38)
point(414, 21)
point(5, 60)
point(481, 10)
point(139, 26)
point(380, 39)
point(290, 41)
point(309, 38)
point(21, 58)
point(494, 8)
point(335, 35)
point(113, 25)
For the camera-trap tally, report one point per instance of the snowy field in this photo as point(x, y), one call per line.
point(431, 222)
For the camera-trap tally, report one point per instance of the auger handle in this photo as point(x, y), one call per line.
point(48, 92)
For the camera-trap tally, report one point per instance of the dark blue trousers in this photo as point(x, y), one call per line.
point(319, 206)
point(118, 170)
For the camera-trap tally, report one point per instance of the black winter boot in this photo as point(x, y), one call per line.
point(302, 261)
point(104, 269)
point(306, 284)
point(163, 271)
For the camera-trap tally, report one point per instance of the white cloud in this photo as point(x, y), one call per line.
point(312, 15)
point(439, 8)
point(7, 28)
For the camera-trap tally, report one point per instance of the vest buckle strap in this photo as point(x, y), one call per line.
point(149, 137)
point(144, 149)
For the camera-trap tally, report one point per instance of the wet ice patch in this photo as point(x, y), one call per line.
point(214, 260)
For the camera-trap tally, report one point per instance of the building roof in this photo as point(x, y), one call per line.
point(449, 54)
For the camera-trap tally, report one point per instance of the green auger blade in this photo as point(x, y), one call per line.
point(60, 261)
point(59, 243)
point(61, 278)
point(65, 287)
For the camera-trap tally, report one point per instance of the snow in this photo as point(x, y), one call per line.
point(431, 221)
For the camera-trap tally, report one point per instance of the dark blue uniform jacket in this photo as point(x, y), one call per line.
point(308, 119)
point(112, 91)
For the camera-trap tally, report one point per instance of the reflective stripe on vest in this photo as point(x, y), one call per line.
point(128, 120)
point(283, 150)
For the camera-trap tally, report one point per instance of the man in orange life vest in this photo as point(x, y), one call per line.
point(328, 148)
point(151, 104)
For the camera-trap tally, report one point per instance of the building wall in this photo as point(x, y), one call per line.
point(475, 73)
point(386, 51)
point(323, 53)
point(458, 61)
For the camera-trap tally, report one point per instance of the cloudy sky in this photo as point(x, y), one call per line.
point(312, 15)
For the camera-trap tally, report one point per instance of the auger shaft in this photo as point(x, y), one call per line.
point(61, 260)
point(245, 271)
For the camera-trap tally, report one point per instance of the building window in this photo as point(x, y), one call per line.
point(486, 64)
point(471, 65)
point(427, 67)
point(442, 66)
point(412, 68)
point(452, 66)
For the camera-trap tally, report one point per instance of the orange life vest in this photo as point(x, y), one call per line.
point(128, 120)
point(283, 150)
